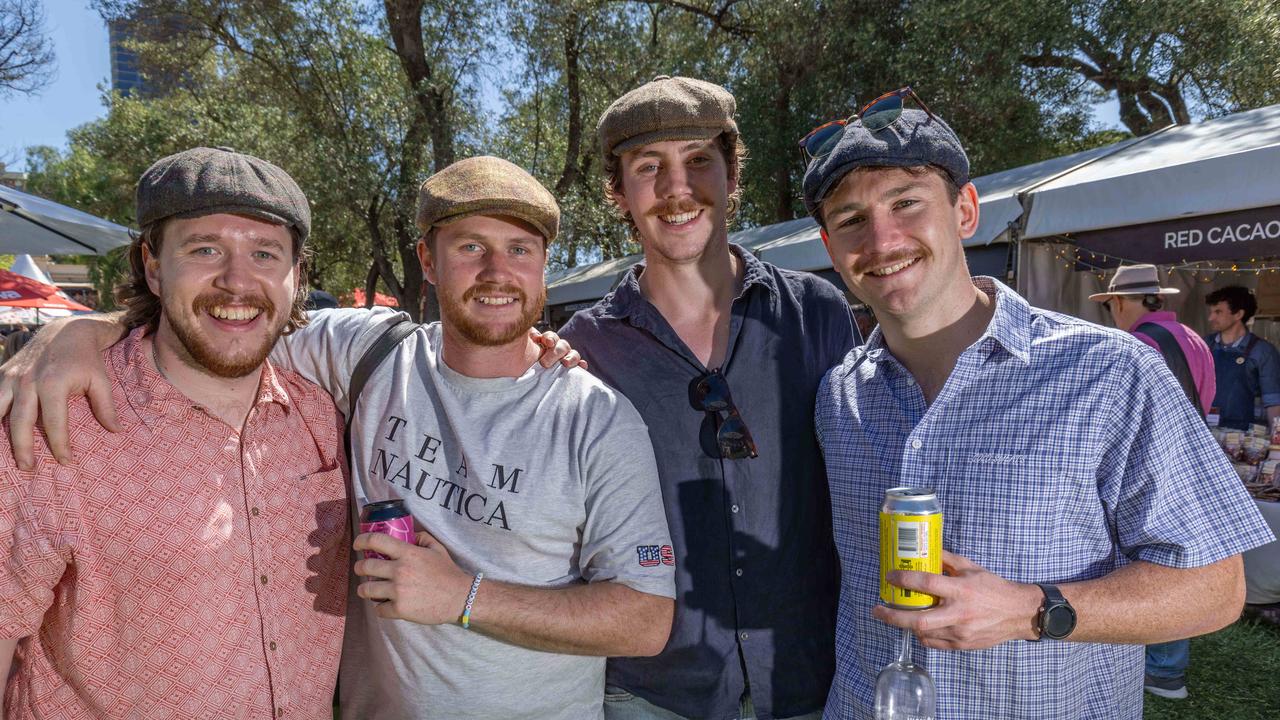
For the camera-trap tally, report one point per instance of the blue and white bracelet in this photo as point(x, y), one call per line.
point(471, 598)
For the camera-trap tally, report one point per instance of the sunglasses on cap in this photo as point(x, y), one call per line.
point(875, 115)
point(711, 394)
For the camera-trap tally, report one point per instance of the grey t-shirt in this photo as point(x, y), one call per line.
point(547, 480)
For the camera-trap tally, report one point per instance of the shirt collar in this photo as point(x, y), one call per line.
point(1010, 326)
point(627, 300)
point(151, 394)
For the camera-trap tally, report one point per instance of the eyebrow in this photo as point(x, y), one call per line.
point(891, 193)
point(689, 147)
point(212, 238)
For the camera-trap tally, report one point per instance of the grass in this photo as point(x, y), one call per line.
point(1234, 674)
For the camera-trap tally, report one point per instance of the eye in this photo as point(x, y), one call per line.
point(646, 169)
point(471, 247)
point(265, 255)
point(851, 221)
point(906, 203)
point(699, 160)
point(205, 250)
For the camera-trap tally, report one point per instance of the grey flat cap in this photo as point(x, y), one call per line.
point(913, 139)
point(666, 108)
point(207, 181)
point(486, 185)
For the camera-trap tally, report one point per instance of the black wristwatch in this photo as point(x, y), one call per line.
point(1056, 618)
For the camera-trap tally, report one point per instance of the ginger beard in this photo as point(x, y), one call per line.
point(454, 312)
point(202, 352)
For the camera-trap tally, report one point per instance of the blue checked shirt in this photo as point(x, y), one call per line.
point(1061, 451)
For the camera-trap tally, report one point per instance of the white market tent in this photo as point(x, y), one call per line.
point(1195, 199)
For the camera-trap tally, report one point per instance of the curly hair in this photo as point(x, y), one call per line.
point(142, 307)
point(735, 157)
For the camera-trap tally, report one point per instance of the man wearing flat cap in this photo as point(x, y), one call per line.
point(542, 546)
point(722, 354)
point(1086, 509)
point(194, 562)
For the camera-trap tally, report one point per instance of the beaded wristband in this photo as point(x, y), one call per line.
point(471, 598)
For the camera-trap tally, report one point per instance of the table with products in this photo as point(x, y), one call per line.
point(1255, 454)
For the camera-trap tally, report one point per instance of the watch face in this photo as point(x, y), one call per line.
point(1059, 621)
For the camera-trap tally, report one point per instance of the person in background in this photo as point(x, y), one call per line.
point(1135, 300)
point(1247, 367)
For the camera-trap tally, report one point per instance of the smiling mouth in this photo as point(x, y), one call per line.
point(495, 300)
point(893, 269)
point(235, 313)
point(683, 218)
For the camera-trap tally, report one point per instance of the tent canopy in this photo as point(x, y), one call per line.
point(1217, 166)
point(34, 225)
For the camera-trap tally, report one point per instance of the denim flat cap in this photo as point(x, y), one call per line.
point(915, 138)
point(207, 181)
point(666, 108)
point(487, 185)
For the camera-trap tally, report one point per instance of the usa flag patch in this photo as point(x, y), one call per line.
point(654, 555)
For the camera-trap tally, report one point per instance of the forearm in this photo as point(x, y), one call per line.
point(92, 333)
point(1147, 603)
point(605, 618)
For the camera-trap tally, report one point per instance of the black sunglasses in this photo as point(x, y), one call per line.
point(711, 392)
point(875, 115)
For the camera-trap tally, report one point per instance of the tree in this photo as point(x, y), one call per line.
point(26, 54)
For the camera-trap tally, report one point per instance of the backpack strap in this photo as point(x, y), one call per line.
point(369, 362)
point(1175, 359)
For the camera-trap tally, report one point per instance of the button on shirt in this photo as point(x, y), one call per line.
point(181, 569)
point(1061, 451)
point(755, 565)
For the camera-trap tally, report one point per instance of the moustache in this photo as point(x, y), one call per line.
point(675, 207)
point(207, 301)
point(866, 264)
point(494, 289)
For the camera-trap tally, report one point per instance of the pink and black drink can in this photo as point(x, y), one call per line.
point(390, 517)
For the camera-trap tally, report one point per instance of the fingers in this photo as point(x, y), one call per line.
point(104, 408)
point(375, 568)
point(425, 539)
point(939, 586)
point(382, 544)
point(376, 590)
point(573, 359)
point(958, 563)
point(53, 415)
point(22, 428)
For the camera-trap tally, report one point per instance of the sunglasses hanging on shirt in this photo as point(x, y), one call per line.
point(711, 394)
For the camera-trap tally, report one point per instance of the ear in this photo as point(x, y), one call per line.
point(151, 268)
point(826, 241)
point(425, 259)
point(967, 211)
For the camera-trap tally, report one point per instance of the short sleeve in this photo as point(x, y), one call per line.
point(625, 538)
point(1174, 498)
point(326, 350)
point(37, 525)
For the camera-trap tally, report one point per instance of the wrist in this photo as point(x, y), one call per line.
point(1030, 603)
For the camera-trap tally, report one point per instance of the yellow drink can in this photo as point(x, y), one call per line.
point(910, 539)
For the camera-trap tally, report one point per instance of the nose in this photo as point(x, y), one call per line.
point(495, 268)
point(883, 232)
point(673, 181)
point(236, 274)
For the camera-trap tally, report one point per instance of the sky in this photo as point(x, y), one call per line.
point(73, 98)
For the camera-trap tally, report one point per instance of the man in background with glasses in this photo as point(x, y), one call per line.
point(721, 354)
point(1087, 510)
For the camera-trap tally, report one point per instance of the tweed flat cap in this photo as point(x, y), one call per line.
point(206, 181)
point(913, 139)
point(666, 108)
point(487, 185)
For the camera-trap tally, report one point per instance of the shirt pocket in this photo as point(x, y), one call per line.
point(1012, 513)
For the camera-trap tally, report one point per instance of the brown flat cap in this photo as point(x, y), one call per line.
point(487, 185)
point(207, 181)
point(666, 108)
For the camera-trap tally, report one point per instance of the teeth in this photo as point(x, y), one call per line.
point(681, 218)
point(224, 312)
point(496, 301)
point(892, 268)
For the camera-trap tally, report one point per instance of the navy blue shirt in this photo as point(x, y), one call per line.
point(757, 577)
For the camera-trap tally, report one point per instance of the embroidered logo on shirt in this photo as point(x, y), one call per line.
point(653, 555)
point(994, 458)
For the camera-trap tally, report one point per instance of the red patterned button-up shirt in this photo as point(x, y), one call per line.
point(182, 568)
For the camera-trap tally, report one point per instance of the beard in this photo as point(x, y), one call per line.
point(453, 312)
point(200, 352)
